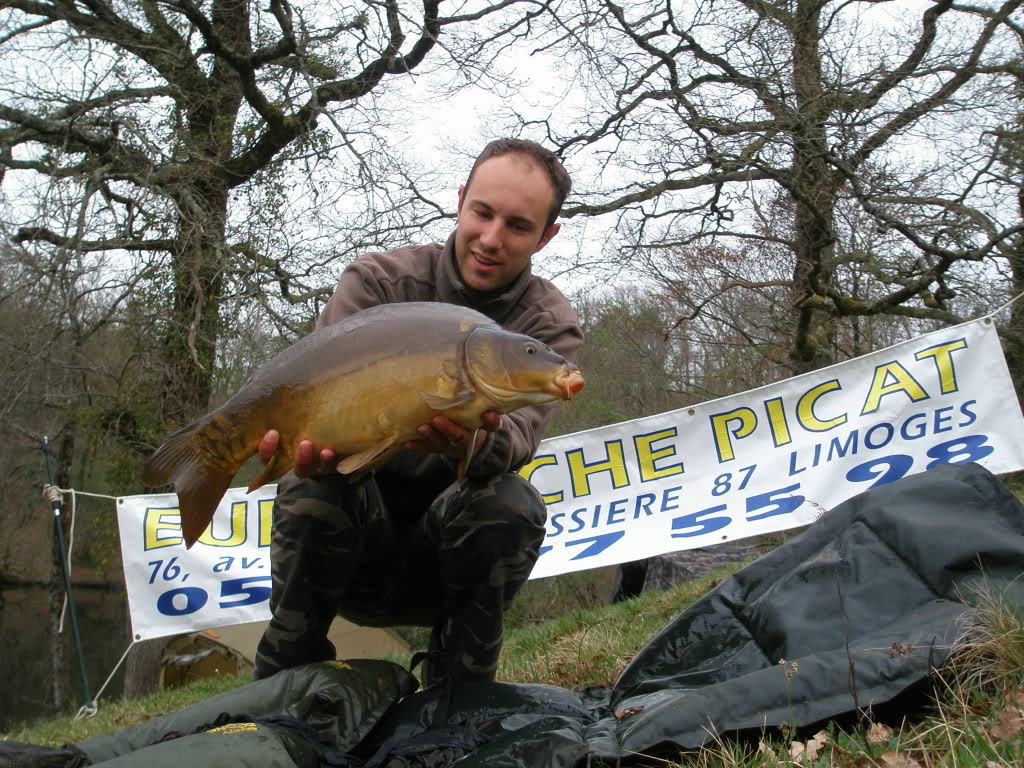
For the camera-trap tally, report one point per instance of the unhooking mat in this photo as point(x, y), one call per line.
point(848, 615)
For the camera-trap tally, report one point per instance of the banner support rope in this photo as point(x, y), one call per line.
point(55, 495)
point(89, 709)
point(1000, 308)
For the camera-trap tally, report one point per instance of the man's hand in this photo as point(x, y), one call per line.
point(442, 435)
point(303, 464)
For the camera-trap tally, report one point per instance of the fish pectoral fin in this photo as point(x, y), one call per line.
point(439, 403)
point(279, 464)
point(364, 459)
point(464, 461)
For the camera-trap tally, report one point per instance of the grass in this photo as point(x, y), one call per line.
point(115, 715)
point(976, 715)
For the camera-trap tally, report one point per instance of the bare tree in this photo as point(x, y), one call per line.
point(172, 169)
point(168, 128)
point(626, 359)
point(702, 116)
point(53, 312)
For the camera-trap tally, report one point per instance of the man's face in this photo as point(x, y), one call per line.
point(501, 221)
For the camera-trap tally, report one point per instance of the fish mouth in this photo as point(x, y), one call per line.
point(569, 383)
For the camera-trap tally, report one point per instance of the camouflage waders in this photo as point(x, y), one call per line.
point(354, 549)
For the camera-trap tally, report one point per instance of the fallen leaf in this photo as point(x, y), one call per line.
point(1019, 696)
point(628, 712)
point(815, 743)
point(1009, 724)
point(810, 748)
point(879, 734)
point(896, 760)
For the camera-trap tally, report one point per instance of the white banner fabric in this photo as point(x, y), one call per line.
point(761, 461)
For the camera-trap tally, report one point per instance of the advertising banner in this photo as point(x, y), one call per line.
point(761, 461)
point(779, 456)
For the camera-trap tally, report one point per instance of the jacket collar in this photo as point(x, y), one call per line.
point(497, 305)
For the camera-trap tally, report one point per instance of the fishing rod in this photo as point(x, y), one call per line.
point(58, 526)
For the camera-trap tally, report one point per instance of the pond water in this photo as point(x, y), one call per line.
point(24, 649)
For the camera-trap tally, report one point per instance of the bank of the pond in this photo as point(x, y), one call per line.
point(25, 667)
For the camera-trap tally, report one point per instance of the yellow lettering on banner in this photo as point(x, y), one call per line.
point(777, 421)
point(580, 470)
point(720, 429)
point(236, 535)
point(527, 474)
point(646, 455)
point(266, 522)
point(941, 355)
point(890, 378)
point(160, 520)
point(805, 408)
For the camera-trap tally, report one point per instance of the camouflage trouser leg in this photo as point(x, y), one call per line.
point(315, 543)
point(456, 566)
point(488, 534)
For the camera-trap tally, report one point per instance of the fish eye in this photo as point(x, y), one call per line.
point(531, 349)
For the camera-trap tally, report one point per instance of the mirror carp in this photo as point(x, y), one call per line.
point(360, 387)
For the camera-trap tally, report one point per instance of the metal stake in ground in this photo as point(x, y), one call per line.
point(55, 505)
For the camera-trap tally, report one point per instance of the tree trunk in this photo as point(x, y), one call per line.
point(1013, 333)
point(189, 352)
point(142, 667)
point(190, 343)
point(59, 690)
point(813, 193)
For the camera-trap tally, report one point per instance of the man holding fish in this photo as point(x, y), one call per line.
point(444, 532)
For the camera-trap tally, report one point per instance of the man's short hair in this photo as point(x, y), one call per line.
point(545, 158)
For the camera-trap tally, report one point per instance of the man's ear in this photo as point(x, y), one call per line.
point(462, 195)
point(549, 233)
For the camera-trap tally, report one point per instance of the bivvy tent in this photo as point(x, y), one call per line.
point(862, 606)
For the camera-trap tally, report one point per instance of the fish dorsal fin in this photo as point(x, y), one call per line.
point(439, 403)
point(362, 460)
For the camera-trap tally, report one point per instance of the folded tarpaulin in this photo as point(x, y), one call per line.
point(848, 615)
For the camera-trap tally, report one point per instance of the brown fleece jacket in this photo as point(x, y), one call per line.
point(530, 305)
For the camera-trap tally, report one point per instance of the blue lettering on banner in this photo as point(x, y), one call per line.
point(234, 593)
point(781, 501)
point(598, 544)
point(882, 470)
point(886, 469)
point(723, 483)
point(584, 532)
point(617, 512)
point(643, 504)
point(877, 436)
point(193, 598)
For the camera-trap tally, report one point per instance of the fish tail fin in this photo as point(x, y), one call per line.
point(199, 484)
